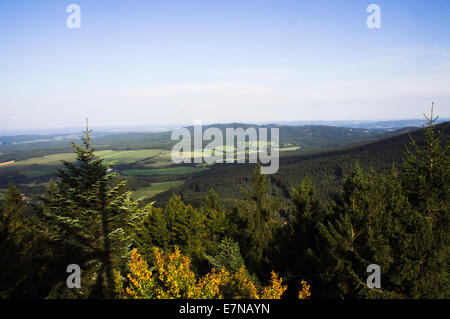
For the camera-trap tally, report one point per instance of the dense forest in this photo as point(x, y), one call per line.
point(327, 169)
point(309, 231)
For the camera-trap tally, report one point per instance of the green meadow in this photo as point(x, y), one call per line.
point(142, 167)
point(163, 171)
point(129, 157)
point(155, 188)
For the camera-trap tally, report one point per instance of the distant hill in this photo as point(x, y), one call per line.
point(388, 124)
point(326, 169)
point(148, 168)
point(307, 138)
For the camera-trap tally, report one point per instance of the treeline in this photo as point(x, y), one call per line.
point(101, 141)
point(397, 219)
point(327, 170)
point(309, 137)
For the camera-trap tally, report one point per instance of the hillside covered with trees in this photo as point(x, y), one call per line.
point(327, 169)
point(309, 231)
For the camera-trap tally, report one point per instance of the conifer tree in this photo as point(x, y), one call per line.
point(259, 218)
point(217, 222)
point(228, 256)
point(298, 252)
point(426, 173)
point(93, 217)
point(426, 180)
point(354, 236)
point(22, 271)
point(177, 224)
point(14, 234)
point(398, 221)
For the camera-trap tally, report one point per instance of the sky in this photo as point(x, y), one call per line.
point(167, 62)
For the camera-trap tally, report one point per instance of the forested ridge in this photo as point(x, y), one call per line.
point(327, 169)
point(310, 231)
point(307, 136)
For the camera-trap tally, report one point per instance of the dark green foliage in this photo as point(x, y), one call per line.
point(354, 234)
point(216, 219)
point(299, 243)
point(426, 181)
point(259, 219)
point(93, 218)
point(15, 240)
point(195, 231)
point(228, 256)
point(398, 221)
point(22, 273)
point(177, 224)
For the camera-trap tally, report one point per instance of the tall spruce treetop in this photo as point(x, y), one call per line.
point(426, 180)
point(89, 212)
point(426, 170)
point(398, 221)
point(13, 206)
point(259, 216)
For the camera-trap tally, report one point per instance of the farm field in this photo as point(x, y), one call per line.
point(31, 167)
point(32, 174)
point(143, 160)
point(155, 188)
point(173, 170)
point(129, 157)
point(147, 171)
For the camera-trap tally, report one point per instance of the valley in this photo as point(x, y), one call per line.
point(144, 159)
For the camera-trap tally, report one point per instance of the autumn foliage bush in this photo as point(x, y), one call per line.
point(171, 277)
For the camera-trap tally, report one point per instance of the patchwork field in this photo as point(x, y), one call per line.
point(148, 171)
point(41, 166)
point(155, 188)
point(140, 168)
point(170, 171)
point(129, 157)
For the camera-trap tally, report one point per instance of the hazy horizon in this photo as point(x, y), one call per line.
point(168, 127)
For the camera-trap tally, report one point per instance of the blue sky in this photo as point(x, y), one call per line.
point(173, 62)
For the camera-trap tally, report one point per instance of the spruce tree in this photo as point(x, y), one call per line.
point(23, 272)
point(14, 242)
point(228, 256)
point(215, 216)
point(426, 180)
point(355, 236)
point(259, 217)
point(178, 225)
point(300, 251)
point(398, 221)
point(92, 216)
